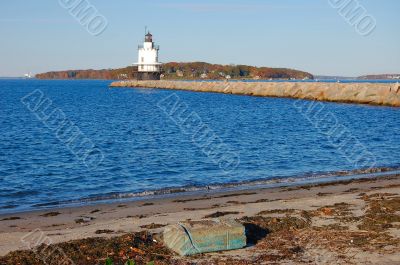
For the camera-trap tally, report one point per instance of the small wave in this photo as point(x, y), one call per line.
point(20, 194)
point(9, 206)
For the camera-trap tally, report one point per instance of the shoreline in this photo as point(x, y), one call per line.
point(319, 178)
point(64, 225)
point(378, 94)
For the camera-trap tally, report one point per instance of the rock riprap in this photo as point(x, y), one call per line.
point(363, 93)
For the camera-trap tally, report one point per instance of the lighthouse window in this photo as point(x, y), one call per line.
point(142, 59)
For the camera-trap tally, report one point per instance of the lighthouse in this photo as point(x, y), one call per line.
point(148, 67)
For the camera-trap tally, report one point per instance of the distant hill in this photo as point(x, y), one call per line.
point(382, 76)
point(194, 70)
point(111, 74)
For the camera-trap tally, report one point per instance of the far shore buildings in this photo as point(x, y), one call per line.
point(148, 66)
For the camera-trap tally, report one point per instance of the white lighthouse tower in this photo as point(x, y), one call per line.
point(148, 66)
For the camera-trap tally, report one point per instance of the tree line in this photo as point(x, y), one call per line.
point(187, 71)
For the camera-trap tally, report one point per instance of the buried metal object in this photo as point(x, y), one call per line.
point(194, 237)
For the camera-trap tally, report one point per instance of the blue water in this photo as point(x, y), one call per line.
point(145, 150)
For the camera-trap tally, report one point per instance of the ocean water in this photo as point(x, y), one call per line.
point(145, 141)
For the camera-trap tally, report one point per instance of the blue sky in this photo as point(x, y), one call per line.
point(309, 35)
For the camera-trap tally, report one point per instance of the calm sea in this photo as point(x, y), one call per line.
point(145, 141)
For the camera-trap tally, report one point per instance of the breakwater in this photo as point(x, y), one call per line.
point(363, 93)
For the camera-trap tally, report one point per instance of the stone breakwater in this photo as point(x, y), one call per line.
point(363, 93)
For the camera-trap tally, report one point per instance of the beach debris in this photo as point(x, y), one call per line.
point(277, 211)
point(12, 218)
point(195, 237)
point(104, 231)
point(84, 219)
point(152, 226)
point(381, 212)
point(50, 214)
point(220, 214)
point(327, 211)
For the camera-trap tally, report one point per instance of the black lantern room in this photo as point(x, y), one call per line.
point(148, 38)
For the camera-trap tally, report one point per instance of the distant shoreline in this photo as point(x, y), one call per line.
point(185, 71)
point(347, 79)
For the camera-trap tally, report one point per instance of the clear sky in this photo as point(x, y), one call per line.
point(308, 35)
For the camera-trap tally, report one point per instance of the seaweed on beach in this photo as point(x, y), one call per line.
point(277, 211)
point(50, 214)
point(152, 226)
point(382, 212)
point(143, 248)
point(139, 247)
point(337, 210)
point(104, 231)
point(298, 237)
point(214, 197)
point(276, 224)
point(220, 214)
point(12, 218)
point(290, 239)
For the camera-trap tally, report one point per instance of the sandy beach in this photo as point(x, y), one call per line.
point(349, 222)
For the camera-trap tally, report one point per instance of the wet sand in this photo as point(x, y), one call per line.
point(324, 218)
